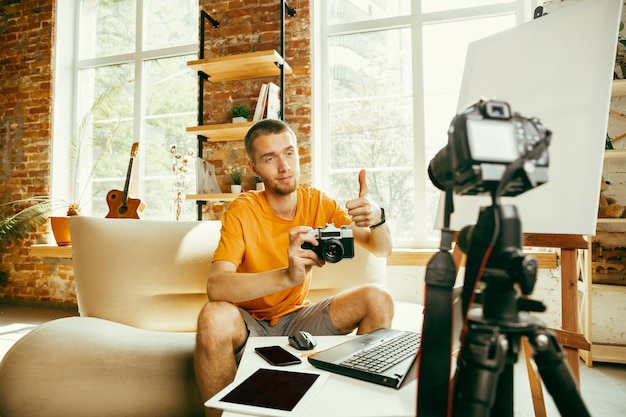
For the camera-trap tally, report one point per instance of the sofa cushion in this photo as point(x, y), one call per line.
point(143, 273)
point(83, 366)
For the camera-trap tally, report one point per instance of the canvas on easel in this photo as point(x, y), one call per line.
point(558, 68)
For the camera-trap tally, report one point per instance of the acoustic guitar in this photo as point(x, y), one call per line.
point(120, 205)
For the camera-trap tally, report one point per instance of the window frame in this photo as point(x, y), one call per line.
point(66, 92)
point(415, 20)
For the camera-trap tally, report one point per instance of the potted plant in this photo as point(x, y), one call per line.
point(236, 174)
point(260, 186)
point(240, 112)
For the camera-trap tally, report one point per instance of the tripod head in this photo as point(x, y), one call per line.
point(495, 258)
point(492, 150)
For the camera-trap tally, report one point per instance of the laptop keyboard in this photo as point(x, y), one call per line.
point(384, 355)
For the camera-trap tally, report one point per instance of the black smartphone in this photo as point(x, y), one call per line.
point(277, 355)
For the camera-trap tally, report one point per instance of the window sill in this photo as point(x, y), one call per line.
point(51, 251)
point(400, 257)
point(421, 257)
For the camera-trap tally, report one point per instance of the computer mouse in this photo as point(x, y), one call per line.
point(302, 340)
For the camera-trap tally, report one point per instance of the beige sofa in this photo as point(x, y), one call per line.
point(140, 286)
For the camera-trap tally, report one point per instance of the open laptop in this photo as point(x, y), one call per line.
point(359, 357)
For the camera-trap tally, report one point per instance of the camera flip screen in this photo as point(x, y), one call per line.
point(492, 141)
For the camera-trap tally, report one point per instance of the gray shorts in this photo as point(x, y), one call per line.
point(313, 318)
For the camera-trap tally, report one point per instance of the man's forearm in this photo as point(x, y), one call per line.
point(380, 240)
point(236, 287)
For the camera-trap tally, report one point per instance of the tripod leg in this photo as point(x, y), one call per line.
point(480, 364)
point(556, 375)
point(536, 390)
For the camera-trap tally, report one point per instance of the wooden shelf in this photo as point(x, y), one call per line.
point(614, 154)
point(603, 352)
point(421, 257)
point(242, 66)
point(212, 197)
point(221, 132)
point(51, 251)
point(619, 88)
point(611, 225)
point(608, 353)
point(608, 288)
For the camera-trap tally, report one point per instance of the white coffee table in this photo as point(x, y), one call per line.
point(340, 395)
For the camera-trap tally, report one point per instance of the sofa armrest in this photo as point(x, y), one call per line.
point(82, 366)
point(144, 273)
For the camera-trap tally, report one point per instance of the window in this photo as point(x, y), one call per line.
point(131, 84)
point(390, 75)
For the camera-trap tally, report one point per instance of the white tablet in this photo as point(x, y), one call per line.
point(270, 392)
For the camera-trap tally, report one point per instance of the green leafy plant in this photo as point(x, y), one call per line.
point(82, 143)
point(240, 110)
point(236, 174)
point(20, 217)
point(17, 219)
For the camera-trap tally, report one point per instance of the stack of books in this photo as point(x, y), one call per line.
point(268, 104)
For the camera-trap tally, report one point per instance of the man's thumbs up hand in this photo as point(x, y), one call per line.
point(363, 210)
point(363, 190)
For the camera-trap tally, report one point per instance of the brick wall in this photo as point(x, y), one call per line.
point(26, 55)
point(26, 58)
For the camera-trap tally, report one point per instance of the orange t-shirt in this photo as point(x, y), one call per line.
point(256, 240)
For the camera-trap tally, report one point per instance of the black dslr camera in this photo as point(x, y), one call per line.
point(333, 244)
point(482, 142)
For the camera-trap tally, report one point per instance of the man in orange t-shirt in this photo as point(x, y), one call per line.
point(260, 274)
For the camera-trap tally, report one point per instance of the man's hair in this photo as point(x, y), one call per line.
point(262, 128)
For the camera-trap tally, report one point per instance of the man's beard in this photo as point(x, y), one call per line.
point(284, 188)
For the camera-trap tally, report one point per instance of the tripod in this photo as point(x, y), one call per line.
point(483, 384)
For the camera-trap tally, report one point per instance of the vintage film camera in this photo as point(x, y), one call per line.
point(334, 244)
point(483, 141)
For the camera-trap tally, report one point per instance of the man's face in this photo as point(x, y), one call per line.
point(276, 162)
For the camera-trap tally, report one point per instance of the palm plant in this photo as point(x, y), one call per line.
point(81, 146)
point(20, 217)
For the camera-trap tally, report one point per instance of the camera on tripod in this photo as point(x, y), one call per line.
point(489, 151)
point(334, 243)
point(482, 142)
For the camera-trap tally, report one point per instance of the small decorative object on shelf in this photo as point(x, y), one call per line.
point(260, 186)
point(236, 174)
point(240, 112)
point(180, 169)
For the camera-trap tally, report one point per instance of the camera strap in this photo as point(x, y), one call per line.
point(434, 373)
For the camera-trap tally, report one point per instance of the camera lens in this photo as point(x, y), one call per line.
point(438, 168)
point(332, 251)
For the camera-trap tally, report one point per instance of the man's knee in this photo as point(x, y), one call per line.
point(377, 297)
point(220, 322)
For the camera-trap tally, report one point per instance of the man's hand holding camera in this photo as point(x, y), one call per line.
point(310, 247)
point(301, 260)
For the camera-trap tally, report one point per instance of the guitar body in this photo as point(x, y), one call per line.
point(117, 208)
point(120, 204)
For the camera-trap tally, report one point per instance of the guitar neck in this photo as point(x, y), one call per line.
point(133, 153)
point(127, 183)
